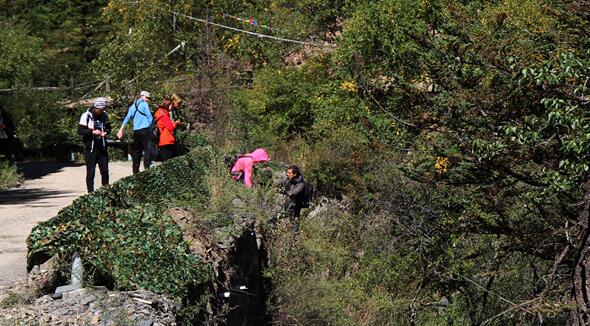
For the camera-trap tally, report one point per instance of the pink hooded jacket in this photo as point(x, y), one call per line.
point(246, 162)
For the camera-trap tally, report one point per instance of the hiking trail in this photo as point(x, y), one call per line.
point(48, 188)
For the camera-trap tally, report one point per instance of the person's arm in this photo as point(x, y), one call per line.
point(83, 126)
point(84, 130)
point(296, 190)
point(127, 118)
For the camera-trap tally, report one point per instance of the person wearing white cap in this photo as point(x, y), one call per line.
point(142, 117)
point(94, 127)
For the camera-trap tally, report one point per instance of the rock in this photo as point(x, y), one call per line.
point(63, 289)
point(74, 294)
point(95, 319)
point(442, 305)
point(147, 322)
point(43, 278)
point(88, 299)
point(237, 202)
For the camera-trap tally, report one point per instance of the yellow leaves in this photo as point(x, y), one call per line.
point(348, 86)
point(232, 42)
point(526, 15)
point(442, 165)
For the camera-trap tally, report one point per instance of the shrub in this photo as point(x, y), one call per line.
point(9, 176)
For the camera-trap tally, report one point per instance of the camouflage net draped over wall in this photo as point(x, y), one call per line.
point(122, 232)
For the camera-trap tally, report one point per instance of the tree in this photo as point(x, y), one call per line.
point(21, 54)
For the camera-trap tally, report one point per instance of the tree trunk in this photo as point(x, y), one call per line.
point(581, 277)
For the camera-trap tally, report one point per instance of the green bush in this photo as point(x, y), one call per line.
point(9, 176)
point(339, 162)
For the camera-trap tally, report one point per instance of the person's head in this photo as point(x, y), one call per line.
point(166, 104)
point(293, 172)
point(176, 100)
point(145, 95)
point(100, 104)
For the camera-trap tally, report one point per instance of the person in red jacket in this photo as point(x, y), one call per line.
point(167, 145)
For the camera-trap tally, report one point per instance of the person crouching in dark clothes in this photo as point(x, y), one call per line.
point(294, 192)
point(94, 127)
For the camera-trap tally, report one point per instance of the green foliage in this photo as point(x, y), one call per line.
point(9, 176)
point(41, 123)
point(21, 53)
point(563, 116)
point(411, 249)
point(343, 159)
point(280, 104)
point(190, 139)
point(144, 242)
point(71, 31)
point(118, 58)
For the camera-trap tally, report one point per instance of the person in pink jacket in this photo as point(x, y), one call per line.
point(245, 163)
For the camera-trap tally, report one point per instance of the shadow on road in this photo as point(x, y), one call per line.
point(21, 196)
point(30, 171)
point(36, 170)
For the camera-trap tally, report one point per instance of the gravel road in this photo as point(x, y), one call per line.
point(48, 188)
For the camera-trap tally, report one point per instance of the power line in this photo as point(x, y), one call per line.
point(247, 32)
point(204, 21)
point(251, 22)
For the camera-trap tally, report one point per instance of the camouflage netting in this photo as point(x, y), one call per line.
point(123, 234)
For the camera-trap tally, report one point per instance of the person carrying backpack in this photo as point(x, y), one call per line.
point(166, 126)
point(295, 192)
point(94, 127)
point(142, 118)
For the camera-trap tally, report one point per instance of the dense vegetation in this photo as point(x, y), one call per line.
point(453, 133)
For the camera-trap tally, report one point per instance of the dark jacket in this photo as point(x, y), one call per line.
point(294, 190)
point(88, 123)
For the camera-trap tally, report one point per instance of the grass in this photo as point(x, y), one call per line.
point(12, 299)
point(9, 176)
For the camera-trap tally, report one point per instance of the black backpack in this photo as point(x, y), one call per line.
point(153, 131)
point(230, 161)
point(307, 196)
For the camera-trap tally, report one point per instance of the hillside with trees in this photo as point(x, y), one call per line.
point(448, 140)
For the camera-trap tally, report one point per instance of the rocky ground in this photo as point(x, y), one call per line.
point(85, 306)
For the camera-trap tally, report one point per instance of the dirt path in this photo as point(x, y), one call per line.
point(48, 188)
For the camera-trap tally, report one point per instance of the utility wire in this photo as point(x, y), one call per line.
point(247, 32)
point(252, 22)
point(204, 21)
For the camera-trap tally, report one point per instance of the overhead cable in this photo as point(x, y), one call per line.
point(204, 21)
point(247, 32)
